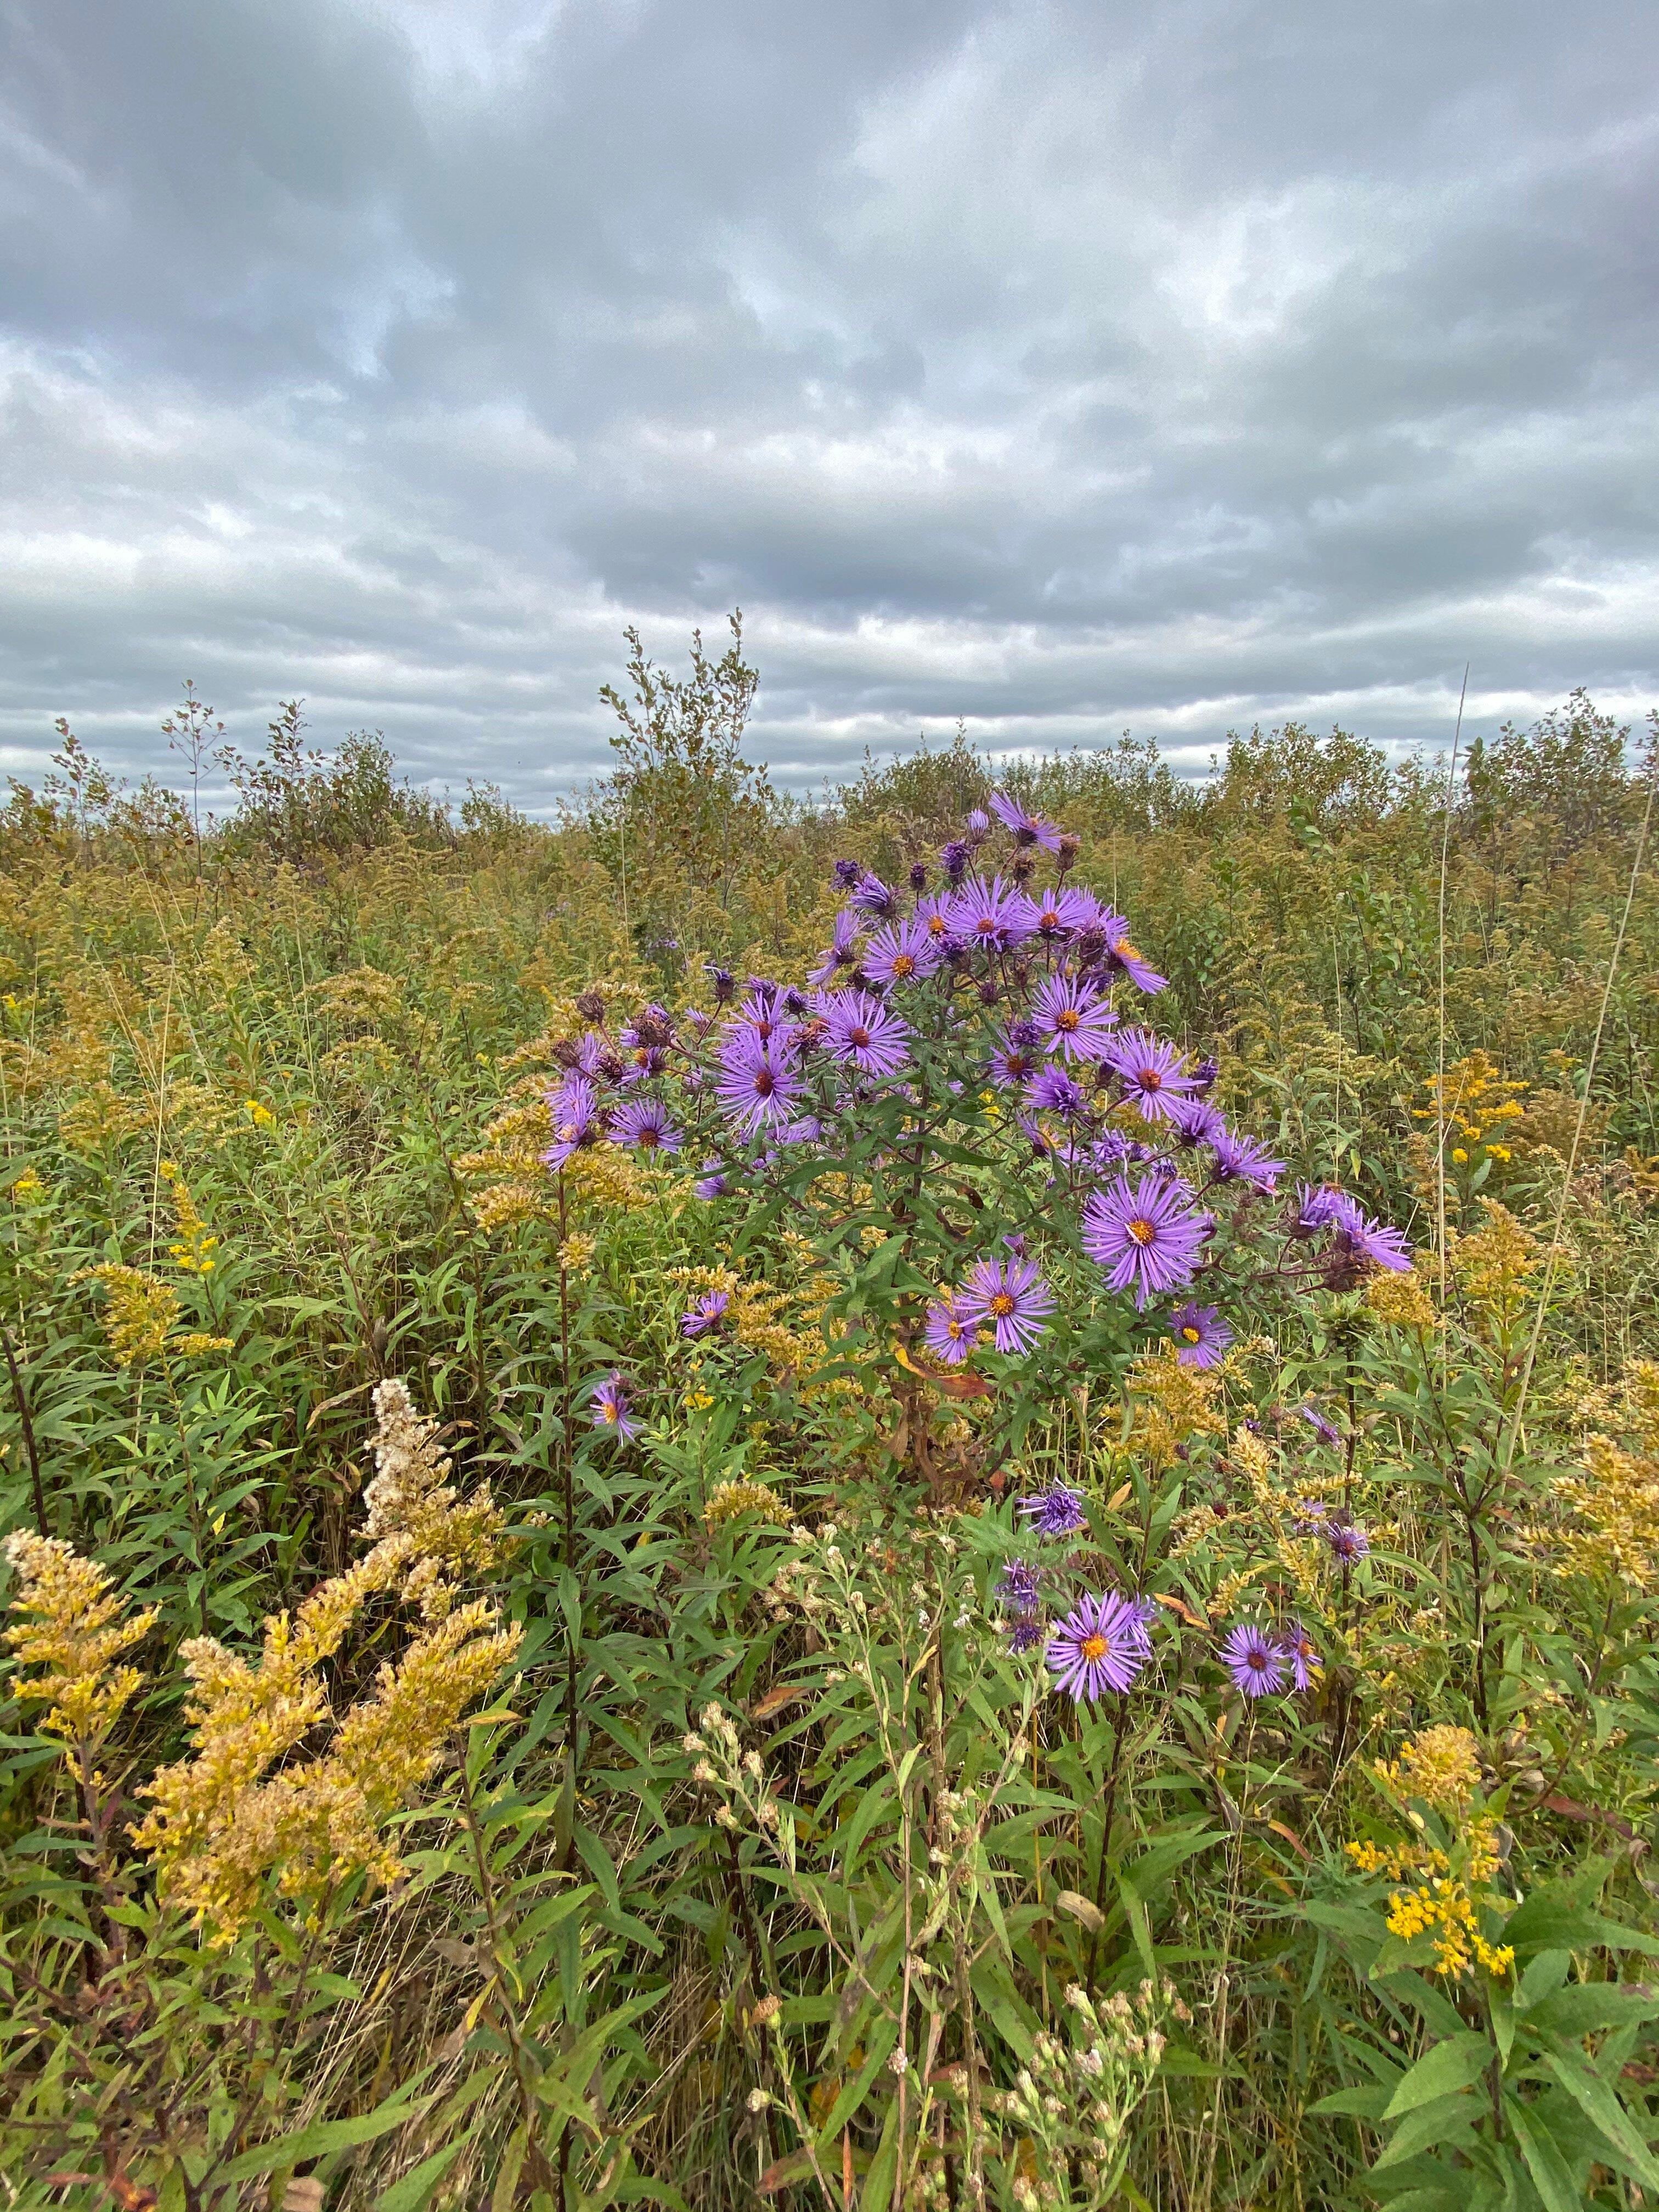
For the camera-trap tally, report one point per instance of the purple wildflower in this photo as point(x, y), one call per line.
point(954, 858)
point(948, 1335)
point(645, 1124)
point(1147, 1238)
point(902, 952)
point(978, 826)
point(995, 916)
point(1151, 1070)
point(709, 1312)
point(1254, 1658)
point(572, 1107)
point(1010, 1298)
point(715, 1181)
point(756, 1086)
point(1204, 1075)
point(840, 952)
point(1196, 1122)
point(863, 1032)
point(1101, 1644)
point(1347, 1540)
point(1320, 1427)
point(1200, 1335)
point(1056, 1512)
point(871, 896)
point(1025, 1633)
point(1244, 1159)
point(1300, 1655)
point(1322, 1206)
point(1382, 1246)
point(725, 983)
point(612, 1407)
point(1063, 913)
point(1074, 1016)
point(1121, 958)
point(847, 873)
point(1013, 1062)
point(1019, 1587)
point(1028, 828)
point(1051, 1090)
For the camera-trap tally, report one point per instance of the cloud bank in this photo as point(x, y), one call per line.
point(1059, 367)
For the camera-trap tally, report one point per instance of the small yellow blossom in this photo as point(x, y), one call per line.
point(72, 1627)
point(730, 1501)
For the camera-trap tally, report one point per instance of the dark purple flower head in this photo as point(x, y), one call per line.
point(871, 896)
point(1320, 1427)
point(714, 1182)
point(709, 1312)
point(1347, 1540)
point(573, 1109)
point(947, 1333)
point(1243, 1159)
point(725, 983)
point(1121, 958)
point(1019, 1587)
point(1254, 1658)
point(847, 873)
point(1026, 1632)
point(902, 952)
point(1321, 1206)
point(1196, 1122)
point(918, 875)
point(1378, 1245)
point(644, 1123)
point(862, 1032)
point(978, 826)
point(843, 951)
point(1151, 1070)
point(756, 1086)
point(1011, 1064)
point(1065, 914)
point(995, 916)
point(1200, 1335)
point(1300, 1655)
point(1073, 1017)
point(954, 858)
point(640, 1062)
point(1147, 1238)
point(1051, 1090)
point(590, 1005)
point(1056, 1512)
point(1009, 1297)
point(1024, 1034)
point(1204, 1075)
point(612, 1408)
point(1101, 1644)
point(1112, 1148)
point(1027, 828)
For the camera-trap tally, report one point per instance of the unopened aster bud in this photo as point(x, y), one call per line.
point(918, 876)
point(591, 1006)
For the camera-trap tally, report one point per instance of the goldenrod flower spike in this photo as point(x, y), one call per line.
point(72, 1627)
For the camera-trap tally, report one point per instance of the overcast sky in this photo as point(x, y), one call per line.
point(1063, 367)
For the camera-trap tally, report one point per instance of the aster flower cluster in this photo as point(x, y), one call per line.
point(1264, 1661)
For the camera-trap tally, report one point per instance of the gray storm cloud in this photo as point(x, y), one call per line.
point(1059, 367)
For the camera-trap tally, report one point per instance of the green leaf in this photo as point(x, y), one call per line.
point(1604, 2111)
point(1368, 2102)
point(418, 2184)
point(319, 2140)
point(1588, 2007)
point(1441, 2072)
point(1445, 2120)
point(1552, 2177)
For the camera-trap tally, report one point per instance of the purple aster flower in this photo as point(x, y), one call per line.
point(842, 952)
point(1056, 1512)
point(1026, 1632)
point(995, 916)
point(1012, 1064)
point(1299, 1654)
point(1028, 828)
point(756, 1086)
point(1051, 1090)
point(1321, 1206)
point(948, 1334)
point(954, 858)
point(1254, 1658)
point(725, 983)
point(1320, 1427)
point(590, 1051)
point(1101, 1644)
point(847, 873)
point(1243, 1159)
point(1347, 1540)
point(762, 1014)
point(1147, 1239)
point(871, 896)
point(1065, 914)
point(1379, 1244)
point(709, 1312)
point(573, 1108)
point(861, 1032)
point(1199, 1335)
point(645, 1124)
point(1196, 1122)
point(715, 1181)
point(978, 826)
point(612, 1407)
point(1074, 1016)
point(1121, 958)
point(1205, 1074)
point(1010, 1298)
point(1150, 1071)
point(640, 1062)
point(1019, 1587)
point(902, 952)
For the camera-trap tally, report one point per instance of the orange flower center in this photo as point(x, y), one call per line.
point(1067, 1019)
point(648, 1136)
point(1192, 1335)
point(610, 1411)
point(1142, 1230)
point(903, 965)
point(1002, 1305)
point(1093, 1647)
point(1151, 1080)
point(860, 1035)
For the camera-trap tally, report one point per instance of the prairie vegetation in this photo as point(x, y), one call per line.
point(634, 1578)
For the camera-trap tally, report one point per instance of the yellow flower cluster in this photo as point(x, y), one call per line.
point(1170, 1405)
point(72, 1627)
point(413, 1510)
point(1447, 1889)
point(142, 1313)
point(731, 1501)
point(1400, 1299)
point(1441, 1765)
point(1615, 1501)
point(754, 1314)
point(194, 1250)
point(1472, 1101)
point(514, 1183)
point(1494, 1266)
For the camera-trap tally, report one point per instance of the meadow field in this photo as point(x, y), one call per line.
point(945, 1498)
